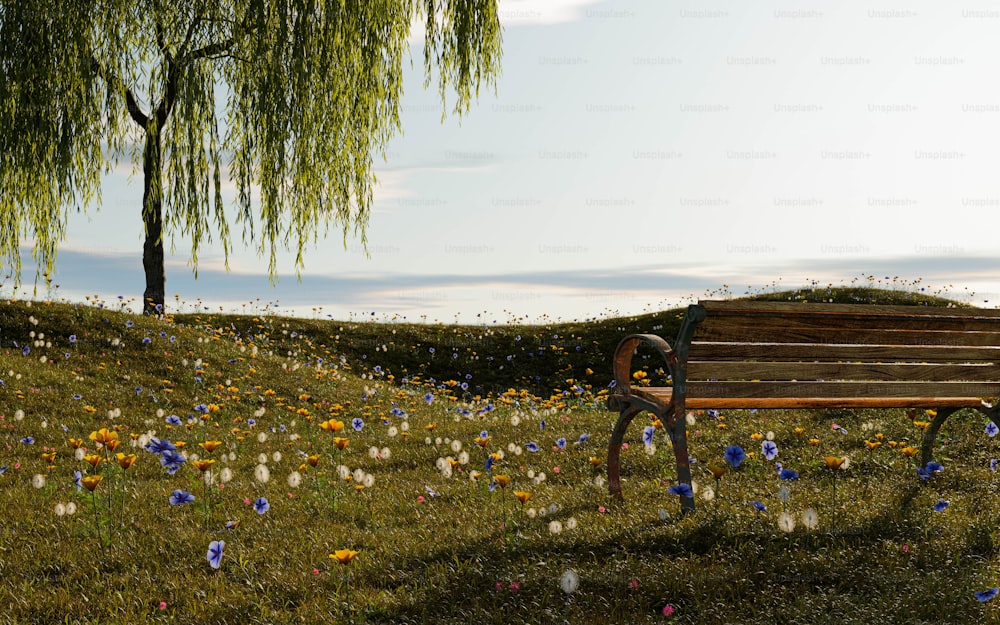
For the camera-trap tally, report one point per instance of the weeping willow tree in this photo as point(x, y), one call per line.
point(288, 101)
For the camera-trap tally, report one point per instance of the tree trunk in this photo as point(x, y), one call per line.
point(152, 217)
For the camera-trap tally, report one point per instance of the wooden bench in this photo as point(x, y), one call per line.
point(755, 355)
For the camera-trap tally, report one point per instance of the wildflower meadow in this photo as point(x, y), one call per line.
point(215, 468)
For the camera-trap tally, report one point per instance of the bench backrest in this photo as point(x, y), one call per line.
point(798, 350)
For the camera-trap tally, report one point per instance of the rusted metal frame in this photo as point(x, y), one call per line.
point(992, 412)
point(677, 426)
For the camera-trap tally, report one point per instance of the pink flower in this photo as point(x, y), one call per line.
point(624, 445)
point(163, 605)
point(906, 548)
point(420, 499)
point(315, 571)
point(633, 584)
point(668, 610)
point(515, 586)
point(17, 465)
point(246, 501)
point(602, 509)
point(555, 469)
point(499, 586)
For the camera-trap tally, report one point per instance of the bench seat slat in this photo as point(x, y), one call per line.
point(844, 336)
point(791, 309)
point(663, 395)
point(842, 389)
point(771, 322)
point(701, 350)
point(715, 370)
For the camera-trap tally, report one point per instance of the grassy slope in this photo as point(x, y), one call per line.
point(879, 551)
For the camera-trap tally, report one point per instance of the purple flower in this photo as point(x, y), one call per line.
point(532, 447)
point(992, 429)
point(788, 474)
point(647, 435)
point(357, 423)
point(941, 505)
point(215, 553)
point(684, 490)
point(180, 497)
point(735, 455)
point(261, 505)
point(759, 505)
point(769, 449)
point(986, 595)
point(561, 443)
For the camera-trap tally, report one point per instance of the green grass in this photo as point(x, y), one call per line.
point(879, 551)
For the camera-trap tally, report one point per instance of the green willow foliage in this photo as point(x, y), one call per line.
point(311, 87)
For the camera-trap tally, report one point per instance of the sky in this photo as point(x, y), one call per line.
point(639, 155)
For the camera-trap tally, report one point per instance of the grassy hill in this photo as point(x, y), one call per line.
point(438, 537)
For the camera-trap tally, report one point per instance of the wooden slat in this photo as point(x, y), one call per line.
point(848, 353)
point(708, 331)
point(662, 395)
point(859, 321)
point(793, 308)
point(806, 371)
point(843, 389)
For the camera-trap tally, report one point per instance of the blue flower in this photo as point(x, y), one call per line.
point(357, 423)
point(992, 429)
point(489, 462)
point(561, 443)
point(27, 440)
point(429, 397)
point(941, 505)
point(583, 439)
point(993, 464)
point(734, 455)
point(203, 408)
point(788, 474)
point(647, 435)
point(684, 490)
point(77, 479)
point(532, 447)
point(215, 553)
point(261, 505)
point(180, 497)
point(146, 340)
point(541, 424)
point(157, 446)
point(986, 595)
point(173, 420)
point(770, 449)
point(759, 505)
point(713, 413)
point(72, 338)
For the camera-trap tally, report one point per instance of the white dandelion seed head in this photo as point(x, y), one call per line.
point(456, 445)
point(428, 441)
point(294, 479)
point(438, 441)
point(555, 527)
point(650, 449)
point(690, 419)
point(569, 581)
point(343, 471)
point(404, 426)
point(232, 456)
point(386, 453)
point(194, 457)
point(553, 508)
point(662, 513)
point(392, 431)
point(60, 509)
point(276, 456)
point(208, 477)
point(262, 474)
point(226, 474)
point(262, 459)
point(571, 523)
point(769, 436)
point(261, 437)
point(845, 464)
point(541, 477)
point(358, 476)
point(501, 454)
point(708, 494)
point(70, 508)
point(511, 447)
point(810, 518)
point(439, 463)
point(786, 522)
point(515, 420)
point(373, 452)
point(79, 453)
point(18, 415)
point(38, 480)
point(784, 494)
point(160, 413)
point(543, 512)
point(531, 474)
point(446, 470)
point(369, 480)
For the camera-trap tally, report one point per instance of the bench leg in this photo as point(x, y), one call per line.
point(615, 447)
point(930, 434)
point(677, 428)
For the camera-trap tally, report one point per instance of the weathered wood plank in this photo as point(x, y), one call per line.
point(844, 336)
point(858, 321)
point(843, 389)
point(662, 394)
point(792, 308)
point(806, 371)
point(702, 350)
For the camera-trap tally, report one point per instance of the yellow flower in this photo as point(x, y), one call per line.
point(332, 425)
point(203, 465)
point(312, 460)
point(595, 461)
point(879, 436)
point(814, 441)
point(482, 441)
point(909, 451)
point(640, 375)
point(502, 480)
point(799, 431)
point(522, 496)
point(340, 442)
point(344, 556)
point(717, 470)
point(102, 436)
point(93, 459)
point(49, 457)
point(90, 482)
point(112, 444)
point(657, 423)
point(834, 462)
point(75, 443)
point(756, 436)
point(431, 426)
point(125, 461)
point(873, 444)
point(210, 446)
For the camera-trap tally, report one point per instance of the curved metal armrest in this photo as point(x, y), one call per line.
point(623, 357)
